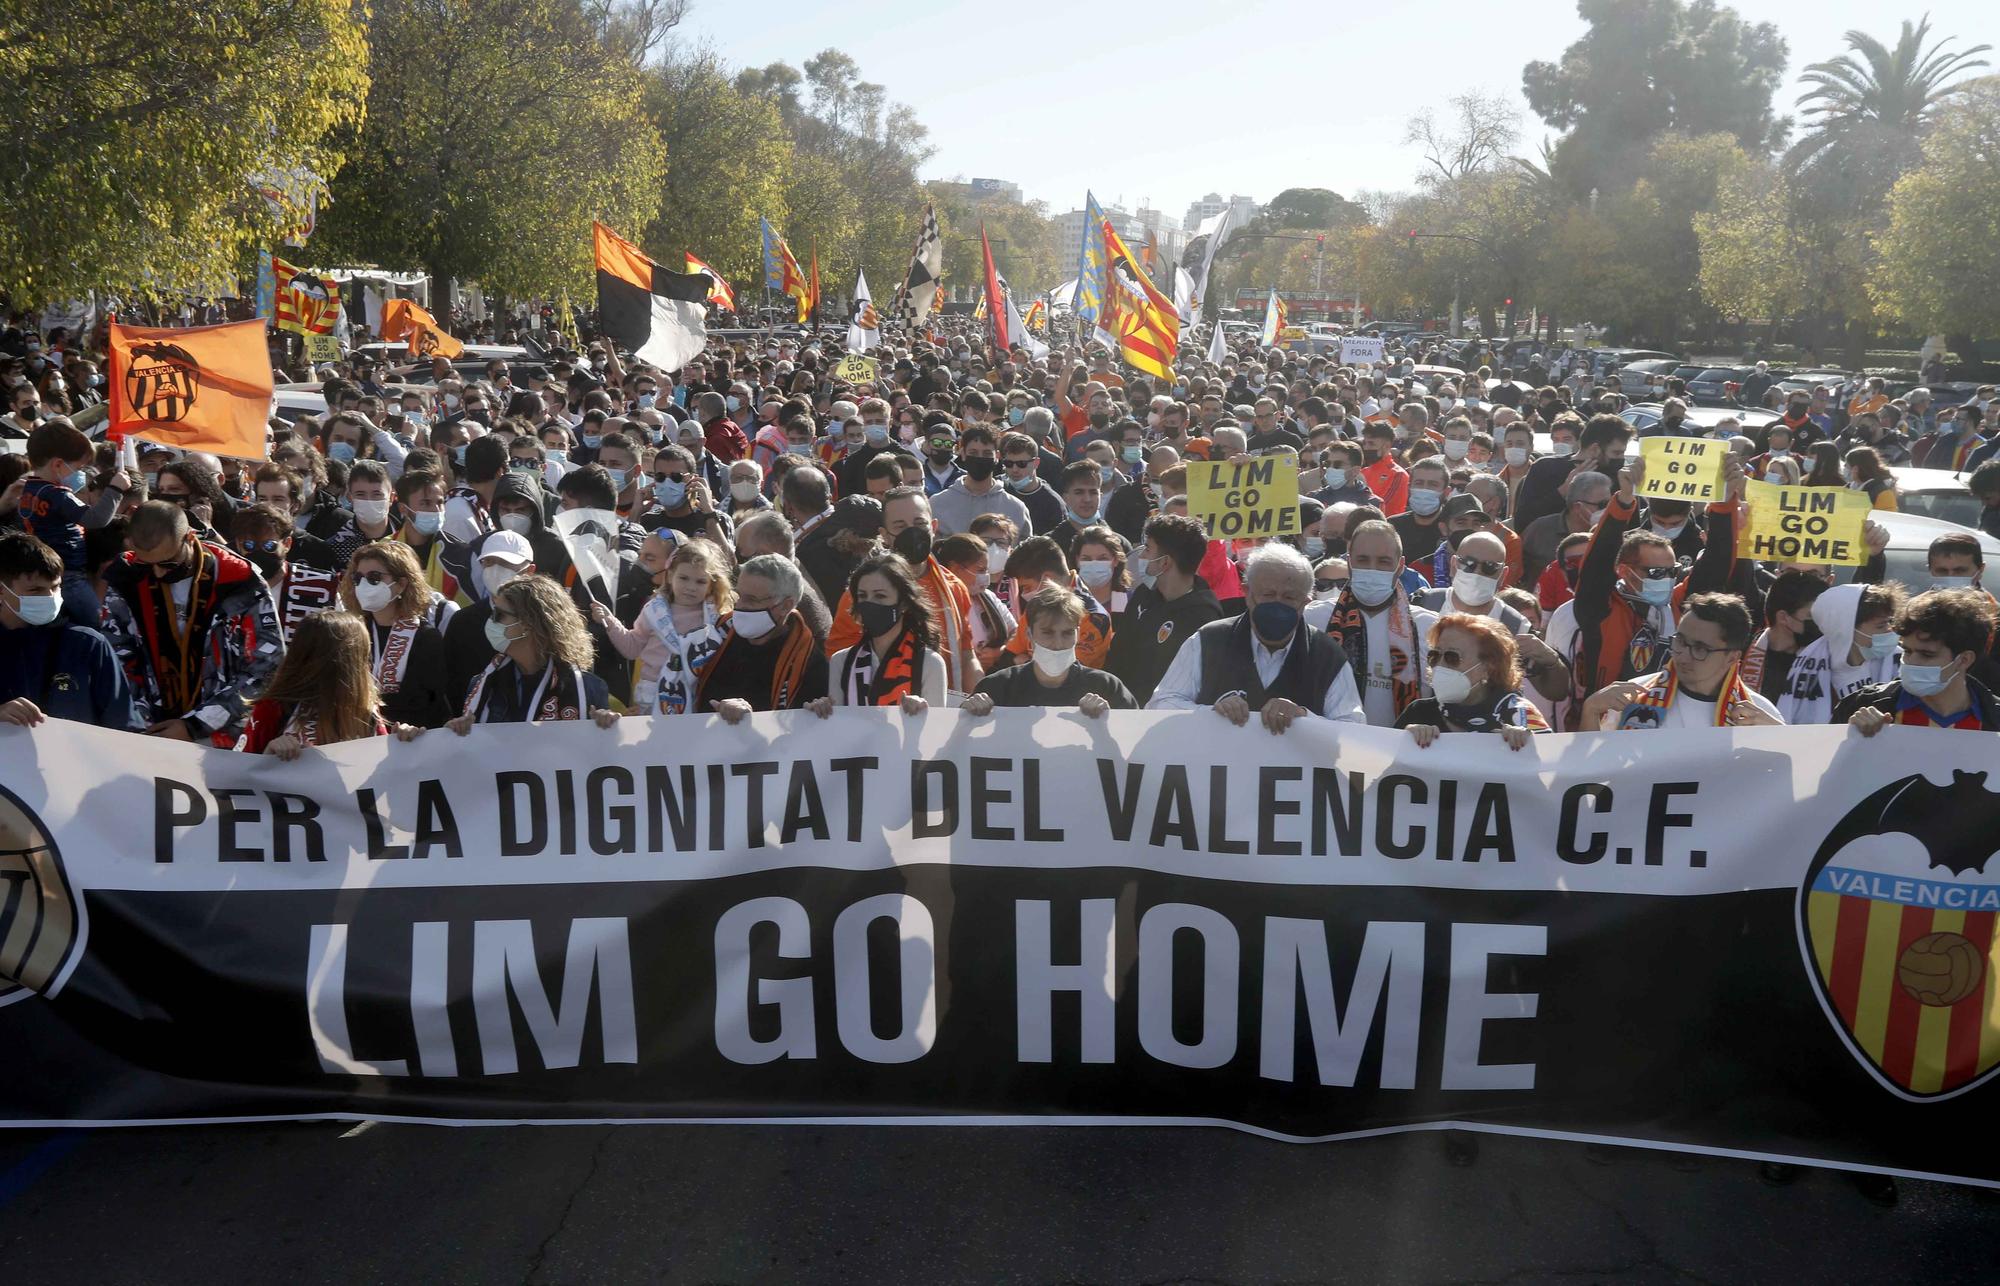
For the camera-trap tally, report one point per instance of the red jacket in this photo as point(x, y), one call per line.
point(724, 439)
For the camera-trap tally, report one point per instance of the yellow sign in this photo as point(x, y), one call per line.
point(856, 369)
point(1804, 524)
point(322, 348)
point(1254, 496)
point(1683, 468)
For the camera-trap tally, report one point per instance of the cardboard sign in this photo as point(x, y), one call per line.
point(856, 369)
point(1680, 468)
point(322, 348)
point(1804, 524)
point(1359, 350)
point(1254, 496)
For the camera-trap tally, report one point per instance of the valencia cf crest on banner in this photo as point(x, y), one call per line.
point(41, 921)
point(1896, 916)
point(198, 388)
point(303, 301)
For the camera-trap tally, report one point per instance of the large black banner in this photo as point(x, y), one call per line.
point(1771, 943)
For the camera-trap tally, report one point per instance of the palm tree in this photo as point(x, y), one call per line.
point(1873, 99)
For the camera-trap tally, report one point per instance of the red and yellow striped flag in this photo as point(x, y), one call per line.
point(1145, 322)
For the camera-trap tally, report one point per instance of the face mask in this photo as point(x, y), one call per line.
point(1562, 449)
point(798, 448)
point(979, 468)
point(1455, 450)
point(1095, 571)
point(1133, 455)
point(1021, 484)
point(1327, 594)
point(1274, 620)
point(1473, 589)
point(1054, 661)
point(732, 404)
point(744, 491)
point(1016, 414)
point(1148, 573)
point(38, 609)
point(427, 523)
point(1671, 533)
point(1423, 500)
point(877, 435)
point(77, 481)
point(996, 559)
point(877, 619)
point(373, 598)
point(1315, 547)
point(1925, 680)
point(646, 401)
point(371, 512)
point(1371, 587)
point(753, 625)
point(497, 636)
point(1656, 593)
point(341, 451)
point(1333, 479)
point(1516, 457)
point(451, 401)
point(1107, 475)
point(1881, 645)
point(1775, 478)
point(670, 493)
point(1450, 686)
point(914, 544)
point(1952, 582)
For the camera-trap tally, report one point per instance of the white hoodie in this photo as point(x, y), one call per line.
point(1821, 677)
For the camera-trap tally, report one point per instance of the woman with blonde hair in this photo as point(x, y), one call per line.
point(678, 629)
point(542, 668)
point(385, 586)
point(322, 693)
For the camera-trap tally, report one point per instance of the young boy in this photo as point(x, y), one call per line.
point(60, 458)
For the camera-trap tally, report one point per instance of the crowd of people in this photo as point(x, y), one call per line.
point(587, 537)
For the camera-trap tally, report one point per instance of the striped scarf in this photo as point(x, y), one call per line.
point(1348, 626)
point(1666, 686)
point(900, 674)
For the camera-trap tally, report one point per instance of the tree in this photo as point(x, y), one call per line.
point(1481, 129)
point(1940, 256)
point(1310, 208)
point(1869, 108)
point(497, 130)
point(726, 160)
point(135, 129)
point(1647, 67)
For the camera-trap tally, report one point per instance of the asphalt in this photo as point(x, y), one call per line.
point(336, 1203)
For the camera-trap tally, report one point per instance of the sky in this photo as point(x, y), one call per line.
point(1227, 96)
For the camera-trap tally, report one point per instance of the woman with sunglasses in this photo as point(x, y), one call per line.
point(385, 586)
point(1475, 669)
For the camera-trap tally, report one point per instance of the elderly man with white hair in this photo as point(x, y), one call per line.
point(1267, 661)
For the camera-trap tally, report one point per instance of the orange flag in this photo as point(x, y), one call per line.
point(202, 388)
point(407, 319)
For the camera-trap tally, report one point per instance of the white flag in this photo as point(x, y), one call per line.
point(1217, 349)
point(1015, 326)
point(1269, 339)
point(1200, 256)
point(864, 329)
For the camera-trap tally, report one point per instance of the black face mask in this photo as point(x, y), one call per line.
point(1099, 419)
point(268, 562)
point(914, 544)
point(877, 619)
point(979, 468)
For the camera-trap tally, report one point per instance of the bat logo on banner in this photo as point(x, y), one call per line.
point(161, 382)
point(1896, 918)
point(41, 921)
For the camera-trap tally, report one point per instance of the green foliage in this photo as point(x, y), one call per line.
point(497, 130)
point(1940, 257)
point(134, 128)
point(726, 160)
point(1647, 67)
point(1311, 209)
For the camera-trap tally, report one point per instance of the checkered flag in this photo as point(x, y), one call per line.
point(926, 272)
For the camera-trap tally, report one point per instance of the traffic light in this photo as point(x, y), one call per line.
point(1508, 302)
point(1321, 238)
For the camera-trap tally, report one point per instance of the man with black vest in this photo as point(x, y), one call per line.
point(1267, 661)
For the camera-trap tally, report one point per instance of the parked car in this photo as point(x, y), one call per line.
point(1807, 381)
point(1645, 415)
point(1908, 554)
point(1645, 378)
point(1936, 493)
point(1710, 387)
point(1605, 360)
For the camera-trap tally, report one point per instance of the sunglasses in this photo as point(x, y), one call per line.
point(670, 477)
point(375, 578)
point(1329, 586)
point(1656, 573)
point(259, 546)
point(1019, 464)
point(1480, 567)
point(1451, 658)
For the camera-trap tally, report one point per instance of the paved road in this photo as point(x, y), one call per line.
point(327, 1203)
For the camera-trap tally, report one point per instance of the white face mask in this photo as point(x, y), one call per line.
point(1054, 661)
point(996, 559)
point(1562, 449)
point(373, 598)
point(1095, 571)
point(496, 576)
point(1455, 450)
point(1516, 457)
point(754, 625)
point(744, 491)
point(1451, 686)
point(1472, 589)
point(372, 512)
point(520, 524)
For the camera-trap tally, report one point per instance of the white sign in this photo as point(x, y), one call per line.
point(1359, 350)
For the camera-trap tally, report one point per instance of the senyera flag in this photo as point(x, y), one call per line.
point(198, 388)
point(659, 314)
point(407, 319)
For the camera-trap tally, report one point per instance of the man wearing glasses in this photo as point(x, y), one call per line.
point(1701, 685)
point(1019, 461)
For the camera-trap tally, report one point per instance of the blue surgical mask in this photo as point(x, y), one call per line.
point(877, 434)
point(1925, 680)
point(1937, 582)
point(646, 401)
point(77, 481)
point(558, 456)
point(1024, 484)
point(732, 404)
point(1333, 479)
point(1016, 414)
point(1134, 455)
point(458, 455)
point(1274, 620)
point(619, 477)
point(1881, 645)
point(1424, 500)
point(1315, 548)
point(37, 609)
point(427, 523)
point(342, 451)
point(1656, 593)
point(592, 442)
point(798, 448)
point(1370, 586)
point(671, 493)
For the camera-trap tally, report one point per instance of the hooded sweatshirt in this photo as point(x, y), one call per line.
point(1821, 678)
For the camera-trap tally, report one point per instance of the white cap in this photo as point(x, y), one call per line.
point(509, 547)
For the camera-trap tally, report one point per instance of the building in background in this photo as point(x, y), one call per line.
point(972, 190)
point(1245, 208)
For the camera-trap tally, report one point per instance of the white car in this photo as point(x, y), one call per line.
point(1908, 553)
point(1936, 493)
